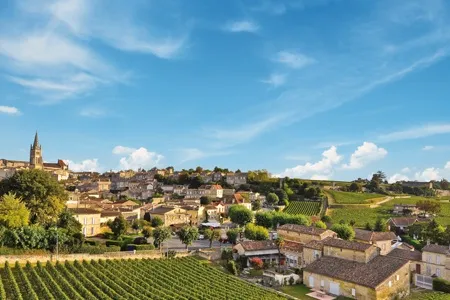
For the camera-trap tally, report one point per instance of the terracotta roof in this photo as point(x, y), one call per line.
point(216, 187)
point(52, 165)
point(406, 254)
point(258, 245)
point(84, 211)
point(369, 274)
point(338, 243)
point(312, 230)
point(437, 249)
point(110, 214)
point(373, 236)
point(292, 246)
point(161, 210)
point(403, 221)
point(314, 244)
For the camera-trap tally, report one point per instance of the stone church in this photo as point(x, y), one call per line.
point(59, 170)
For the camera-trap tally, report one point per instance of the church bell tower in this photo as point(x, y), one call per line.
point(36, 161)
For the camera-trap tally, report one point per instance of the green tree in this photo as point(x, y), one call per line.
point(264, 219)
point(380, 225)
point(160, 235)
point(187, 235)
point(205, 200)
point(44, 197)
point(211, 235)
point(344, 231)
point(240, 215)
point(320, 224)
point(147, 231)
point(157, 221)
point(282, 196)
point(272, 198)
point(256, 205)
point(434, 231)
point(118, 227)
point(13, 212)
point(67, 221)
point(355, 187)
point(326, 219)
point(231, 267)
point(196, 182)
point(429, 206)
point(136, 225)
point(232, 235)
point(255, 232)
point(368, 226)
point(280, 244)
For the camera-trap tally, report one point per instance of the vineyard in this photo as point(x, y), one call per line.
point(307, 208)
point(179, 278)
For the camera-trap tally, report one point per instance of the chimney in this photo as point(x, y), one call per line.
point(428, 242)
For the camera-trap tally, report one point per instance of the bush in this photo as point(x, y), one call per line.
point(415, 243)
point(255, 232)
point(441, 285)
point(145, 247)
point(256, 263)
point(231, 267)
point(326, 219)
point(140, 240)
point(114, 243)
point(227, 254)
point(92, 243)
point(15, 251)
point(112, 249)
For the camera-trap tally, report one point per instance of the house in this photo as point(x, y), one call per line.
point(382, 277)
point(349, 250)
point(197, 193)
point(212, 212)
point(382, 240)
point(167, 188)
point(312, 251)
point(293, 253)
point(265, 250)
point(401, 224)
point(303, 234)
point(413, 256)
point(108, 215)
point(406, 209)
point(435, 263)
point(180, 189)
point(89, 219)
point(240, 200)
point(171, 215)
point(216, 191)
point(236, 179)
point(197, 214)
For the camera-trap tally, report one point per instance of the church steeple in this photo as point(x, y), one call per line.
point(36, 141)
point(36, 161)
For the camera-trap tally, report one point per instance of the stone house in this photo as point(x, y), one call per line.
point(265, 250)
point(197, 214)
point(171, 215)
point(400, 209)
point(236, 179)
point(89, 219)
point(348, 250)
point(380, 278)
point(382, 240)
point(293, 253)
point(435, 263)
point(303, 234)
point(212, 212)
point(413, 256)
point(312, 251)
point(180, 189)
point(401, 224)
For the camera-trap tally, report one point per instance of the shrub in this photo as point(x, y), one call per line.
point(145, 247)
point(326, 219)
point(92, 243)
point(227, 254)
point(171, 254)
point(112, 249)
point(140, 240)
point(257, 263)
point(231, 267)
point(441, 285)
point(114, 243)
point(14, 251)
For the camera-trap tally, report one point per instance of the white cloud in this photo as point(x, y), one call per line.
point(9, 110)
point(87, 165)
point(406, 170)
point(397, 177)
point(428, 174)
point(447, 166)
point(365, 154)
point(321, 169)
point(241, 26)
point(428, 148)
point(275, 79)
point(416, 132)
point(137, 158)
point(319, 177)
point(293, 60)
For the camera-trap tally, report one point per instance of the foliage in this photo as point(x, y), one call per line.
point(231, 267)
point(67, 221)
point(429, 206)
point(255, 232)
point(280, 243)
point(320, 224)
point(380, 225)
point(368, 226)
point(355, 187)
point(308, 208)
point(147, 231)
point(13, 212)
point(240, 215)
point(326, 219)
point(41, 193)
point(187, 235)
point(205, 200)
point(233, 235)
point(211, 235)
point(256, 205)
point(441, 285)
point(160, 235)
point(415, 243)
point(354, 198)
point(282, 196)
point(256, 263)
point(273, 219)
point(272, 198)
point(227, 254)
point(118, 226)
point(157, 221)
point(345, 232)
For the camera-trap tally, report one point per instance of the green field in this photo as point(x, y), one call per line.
point(179, 278)
point(428, 295)
point(299, 291)
point(307, 208)
point(354, 198)
point(362, 215)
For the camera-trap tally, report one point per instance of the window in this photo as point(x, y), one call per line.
point(93, 220)
point(353, 292)
point(397, 277)
point(438, 272)
point(84, 230)
point(428, 270)
point(85, 220)
point(322, 283)
point(390, 283)
point(438, 259)
point(92, 230)
point(429, 258)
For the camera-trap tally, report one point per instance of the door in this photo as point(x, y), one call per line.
point(418, 268)
point(311, 282)
point(334, 288)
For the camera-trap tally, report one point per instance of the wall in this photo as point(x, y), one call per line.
point(359, 256)
point(92, 225)
point(385, 246)
point(308, 255)
point(400, 287)
point(297, 237)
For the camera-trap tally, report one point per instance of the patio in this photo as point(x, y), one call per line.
point(320, 295)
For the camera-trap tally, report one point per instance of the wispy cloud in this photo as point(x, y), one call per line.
point(241, 26)
point(9, 110)
point(427, 148)
point(293, 59)
point(93, 112)
point(191, 154)
point(415, 132)
point(275, 79)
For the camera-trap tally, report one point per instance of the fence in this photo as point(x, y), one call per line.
point(425, 282)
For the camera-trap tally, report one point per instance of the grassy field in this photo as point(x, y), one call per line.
point(362, 215)
point(428, 295)
point(299, 291)
point(307, 208)
point(354, 198)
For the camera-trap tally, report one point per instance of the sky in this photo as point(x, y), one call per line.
point(322, 89)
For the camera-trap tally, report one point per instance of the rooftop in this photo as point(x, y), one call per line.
point(338, 243)
point(406, 254)
point(373, 236)
point(369, 274)
point(403, 221)
point(84, 211)
point(437, 249)
point(312, 230)
point(258, 245)
point(161, 210)
point(292, 246)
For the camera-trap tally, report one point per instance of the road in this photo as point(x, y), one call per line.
point(175, 243)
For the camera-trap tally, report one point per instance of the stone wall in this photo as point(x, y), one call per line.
point(22, 259)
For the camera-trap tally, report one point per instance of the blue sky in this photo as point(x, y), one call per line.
point(310, 89)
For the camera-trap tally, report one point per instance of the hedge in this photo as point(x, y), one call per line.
point(17, 251)
point(92, 243)
point(441, 285)
point(96, 249)
point(145, 247)
point(114, 243)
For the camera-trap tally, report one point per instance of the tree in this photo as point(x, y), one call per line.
point(205, 200)
point(444, 184)
point(320, 224)
point(344, 231)
point(380, 225)
point(280, 243)
point(119, 226)
point(272, 198)
point(187, 235)
point(231, 267)
point(196, 182)
point(429, 206)
point(368, 226)
point(13, 212)
point(198, 169)
point(232, 235)
point(160, 235)
point(136, 225)
point(157, 221)
point(67, 221)
point(256, 205)
point(355, 187)
point(44, 197)
point(147, 231)
point(434, 232)
point(255, 232)
point(326, 219)
point(282, 196)
point(264, 219)
point(240, 215)
point(211, 235)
